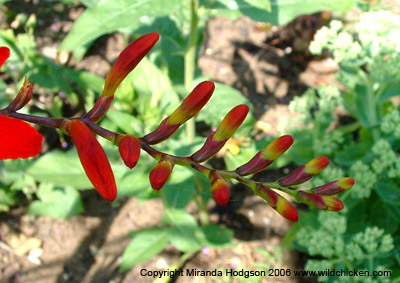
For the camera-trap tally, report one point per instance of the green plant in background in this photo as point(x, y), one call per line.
point(144, 97)
point(366, 147)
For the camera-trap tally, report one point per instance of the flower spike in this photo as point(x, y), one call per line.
point(305, 172)
point(190, 106)
point(129, 149)
point(225, 130)
point(159, 175)
point(219, 188)
point(265, 157)
point(278, 202)
point(334, 187)
point(319, 201)
point(94, 160)
point(18, 139)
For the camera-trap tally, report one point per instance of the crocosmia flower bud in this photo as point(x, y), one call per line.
point(319, 201)
point(305, 172)
point(159, 175)
point(24, 96)
point(94, 160)
point(18, 139)
point(334, 187)
point(219, 188)
point(278, 202)
point(193, 103)
point(129, 149)
point(266, 156)
point(190, 106)
point(127, 61)
point(225, 130)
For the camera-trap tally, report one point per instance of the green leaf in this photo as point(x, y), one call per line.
point(56, 202)
point(179, 190)
point(261, 4)
point(60, 168)
point(126, 122)
point(389, 192)
point(184, 233)
point(136, 182)
point(281, 12)
point(146, 244)
point(391, 90)
point(110, 16)
point(217, 237)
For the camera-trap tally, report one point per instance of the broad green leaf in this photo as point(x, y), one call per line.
point(56, 202)
point(60, 168)
point(179, 190)
point(110, 16)
point(171, 44)
point(217, 237)
point(260, 4)
point(389, 192)
point(184, 232)
point(146, 244)
point(136, 182)
point(362, 106)
point(281, 11)
point(391, 89)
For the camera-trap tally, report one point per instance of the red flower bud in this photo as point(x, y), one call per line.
point(319, 201)
point(334, 187)
point(225, 130)
point(129, 149)
point(190, 106)
point(24, 96)
point(266, 156)
point(278, 202)
point(94, 160)
point(4, 54)
point(18, 139)
point(231, 122)
point(305, 172)
point(193, 103)
point(159, 175)
point(219, 188)
point(127, 61)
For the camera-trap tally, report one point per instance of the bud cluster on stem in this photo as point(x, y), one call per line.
point(19, 140)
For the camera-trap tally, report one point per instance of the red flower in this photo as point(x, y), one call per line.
point(219, 188)
point(225, 130)
point(4, 54)
point(129, 149)
point(189, 107)
point(265, 157)
point(18, 139)
point(159, 175)
point(94, 160)
point(278, 202)
point(305, 172)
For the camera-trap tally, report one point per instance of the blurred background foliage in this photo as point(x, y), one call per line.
point(365, 145)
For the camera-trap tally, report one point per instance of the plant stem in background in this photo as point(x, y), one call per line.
point(190, 62)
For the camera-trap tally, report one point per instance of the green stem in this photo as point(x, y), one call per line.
point(176, 266)
point(190, 63)
point(203, 213)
